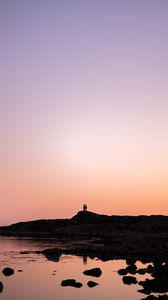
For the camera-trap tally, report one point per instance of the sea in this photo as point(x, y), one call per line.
point(39, 278)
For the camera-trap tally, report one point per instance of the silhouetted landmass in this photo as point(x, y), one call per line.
point(105, 237)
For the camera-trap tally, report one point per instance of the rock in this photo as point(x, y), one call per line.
point(71, 282)
point(150, 269)
point(159, 284)
point(96, 272)
point(151, 297)
point(160, 272)
point(141, 271)
point(122, 272)
point(129, 280)
point(131, 269)
point(8, 271)
point(78, 285)
point(68, 282)
point(1, 286)
point(145, 291)
point(20, 270)
point(92, 284)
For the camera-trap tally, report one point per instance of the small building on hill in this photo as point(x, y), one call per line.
point(84, 207)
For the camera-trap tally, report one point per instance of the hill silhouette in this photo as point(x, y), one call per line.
point(92, 234)
point(89, 221)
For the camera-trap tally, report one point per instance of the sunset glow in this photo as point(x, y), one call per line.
point(83, 108)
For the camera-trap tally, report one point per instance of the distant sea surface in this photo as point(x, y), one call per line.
point(40, 278)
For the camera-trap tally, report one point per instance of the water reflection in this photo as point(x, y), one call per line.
point(85, 260)
point(36, 280)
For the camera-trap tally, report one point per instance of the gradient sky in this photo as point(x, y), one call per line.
point(83, 107)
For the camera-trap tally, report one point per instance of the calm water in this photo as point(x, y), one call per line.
point(38, 282)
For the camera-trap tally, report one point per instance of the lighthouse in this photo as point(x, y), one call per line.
point(84, 207)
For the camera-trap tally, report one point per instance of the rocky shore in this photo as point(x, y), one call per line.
point(142, 238)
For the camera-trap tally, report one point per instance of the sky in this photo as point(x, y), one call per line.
point(83, 108)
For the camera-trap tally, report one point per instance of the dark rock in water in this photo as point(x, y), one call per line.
point(145, 291)
point(152, 297)
point(141, 271)
point(1, 286)
point(131, 269)
point(122, 272)
point(71, 282)
point(150, 269)
point(68, 282)
point(129, 280)
point(155, 286)
point(92, 284)
point(160, 272)
point(78, 285)
point(8, 271)
point(20, 270)
point(96, 272)
point(160, 283)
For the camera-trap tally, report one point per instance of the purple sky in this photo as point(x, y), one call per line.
point(84, 107)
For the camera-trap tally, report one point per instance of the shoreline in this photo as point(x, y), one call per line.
point(105, 237)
